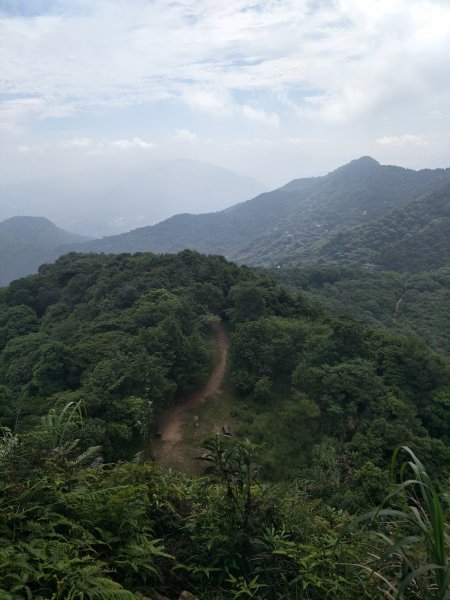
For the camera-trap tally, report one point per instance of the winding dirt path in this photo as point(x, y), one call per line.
point(171, 422)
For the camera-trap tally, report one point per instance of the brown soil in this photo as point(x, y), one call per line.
point(170, 424)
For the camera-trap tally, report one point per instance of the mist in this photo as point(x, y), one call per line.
point(114, 196)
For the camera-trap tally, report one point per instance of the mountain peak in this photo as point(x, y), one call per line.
point(362, 163)
point(37, 230)
point(363, 166)
point(27, 223)
point(364, 160)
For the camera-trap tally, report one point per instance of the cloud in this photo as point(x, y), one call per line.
point(334, 59)
point(135, 143)
point(89, 145)
point(403, 140)
point(184, 135)
point(260, 116)
point(77, 142)
point(217, 103)
point(252, 72)
point(280, 142)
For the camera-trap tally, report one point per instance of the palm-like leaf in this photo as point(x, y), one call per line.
point(418, 561)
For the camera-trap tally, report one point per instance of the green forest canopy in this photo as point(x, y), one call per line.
point(325, 399)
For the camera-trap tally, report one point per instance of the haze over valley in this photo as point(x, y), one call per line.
point(114, 200)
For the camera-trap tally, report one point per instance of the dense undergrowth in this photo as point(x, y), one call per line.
point(73, 527)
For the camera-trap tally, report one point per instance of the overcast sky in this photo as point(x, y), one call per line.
point(275, 89)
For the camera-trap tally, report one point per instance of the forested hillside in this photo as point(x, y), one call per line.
point(392, 272)
point(95, 346)
point(404, 303)
point(276, 227)
point(116, 331)
point(412, 238)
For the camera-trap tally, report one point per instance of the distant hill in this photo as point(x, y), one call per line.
point(27, 242)
point(107, 201)
point(277, 227)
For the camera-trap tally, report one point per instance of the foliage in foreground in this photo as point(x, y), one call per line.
point(71, 527)
point(413, 525)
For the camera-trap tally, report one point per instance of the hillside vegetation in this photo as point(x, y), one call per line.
point(410, 304)
point(95, 346)
point(119, 331)
point(412, 238)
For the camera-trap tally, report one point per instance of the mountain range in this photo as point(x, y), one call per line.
point(292, 223)
point(413, 237)
point(362, 213)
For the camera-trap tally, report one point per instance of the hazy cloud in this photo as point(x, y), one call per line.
point(77, 142)
point(184, 135)
point(401, 140)
point(344, 56)
point(132, 144)
point(258, 115)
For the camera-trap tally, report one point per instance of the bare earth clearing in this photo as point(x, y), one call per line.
point(169, 448)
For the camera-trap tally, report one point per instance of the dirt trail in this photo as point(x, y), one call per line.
point(171, 422)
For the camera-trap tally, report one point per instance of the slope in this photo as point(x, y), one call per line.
point(412, 238)
point(281, 223)
point(27, 242)
point(120, 332)
point(410, 304)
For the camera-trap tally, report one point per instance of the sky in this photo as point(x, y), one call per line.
point(273, 89)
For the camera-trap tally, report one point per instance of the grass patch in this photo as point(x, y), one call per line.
point(202, 421)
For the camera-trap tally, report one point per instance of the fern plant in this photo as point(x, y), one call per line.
point(56, 426)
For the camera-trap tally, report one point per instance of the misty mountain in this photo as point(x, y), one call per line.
point(113, 200)
point(362, 212)
point(279, 226)
point(27, 242)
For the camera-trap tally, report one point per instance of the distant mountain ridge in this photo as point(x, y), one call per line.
point(279, 226)
point(27, 242)
point(107, 201)
point(360, 213)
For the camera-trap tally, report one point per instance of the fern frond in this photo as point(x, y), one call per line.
point(88, 456)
